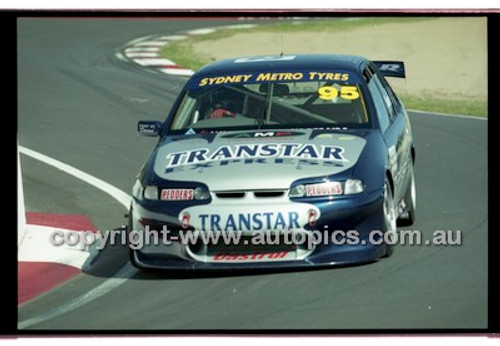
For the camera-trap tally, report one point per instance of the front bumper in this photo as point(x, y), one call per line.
point(362, 213)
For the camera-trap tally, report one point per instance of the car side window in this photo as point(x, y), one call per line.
point(385, 96)
point(395, 101)
point(383, 116)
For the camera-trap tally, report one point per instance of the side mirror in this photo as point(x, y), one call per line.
point(149, 128)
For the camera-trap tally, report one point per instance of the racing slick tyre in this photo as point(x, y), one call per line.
point(389, 216)
point(407, 218)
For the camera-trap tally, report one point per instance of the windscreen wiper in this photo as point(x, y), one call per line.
point(266, 110)
point(260, 121)
point(269, 101)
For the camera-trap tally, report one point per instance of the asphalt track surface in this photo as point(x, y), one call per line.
point(80, 105)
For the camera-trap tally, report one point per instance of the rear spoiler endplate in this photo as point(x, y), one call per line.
point(391, 68)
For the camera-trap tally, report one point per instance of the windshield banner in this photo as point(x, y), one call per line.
point(265, 77)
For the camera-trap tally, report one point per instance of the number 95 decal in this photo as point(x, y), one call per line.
point(347, 92)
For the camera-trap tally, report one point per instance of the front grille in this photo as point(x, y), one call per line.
point(245, 246)
point(256, 194)
point(274, 248)
point(268, 194)
point(230, 194)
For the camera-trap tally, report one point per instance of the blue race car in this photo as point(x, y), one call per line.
point(276, 161)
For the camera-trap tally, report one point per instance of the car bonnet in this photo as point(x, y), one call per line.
point(256, 160)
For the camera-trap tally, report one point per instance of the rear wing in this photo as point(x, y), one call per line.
point(391, 68)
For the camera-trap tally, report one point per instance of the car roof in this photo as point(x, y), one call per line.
point(283, 62)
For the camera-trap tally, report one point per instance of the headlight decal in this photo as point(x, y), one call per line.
point(177, 194)
point(324, 189)
point(328, 188)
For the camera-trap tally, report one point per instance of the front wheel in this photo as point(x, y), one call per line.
point(407, 218)
point(389, 215)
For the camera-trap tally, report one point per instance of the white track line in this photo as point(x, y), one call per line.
point(201, 31)
point(120, 56)
point(117, 194)
point(21, 211)
point(132, 55)
point(142, 49)
point(109, 284)
point(172, 37)
point(155, 62)
point(239, 26)
point(150, 44)
point(176, 71)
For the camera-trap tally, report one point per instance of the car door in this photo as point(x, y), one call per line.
point(393, 125)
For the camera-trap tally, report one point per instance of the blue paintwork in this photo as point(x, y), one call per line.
point(362, 212)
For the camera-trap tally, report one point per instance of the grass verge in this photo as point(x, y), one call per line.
point(182, 51)
point(451, 106)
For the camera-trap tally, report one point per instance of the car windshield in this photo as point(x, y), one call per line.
point(271, 104)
